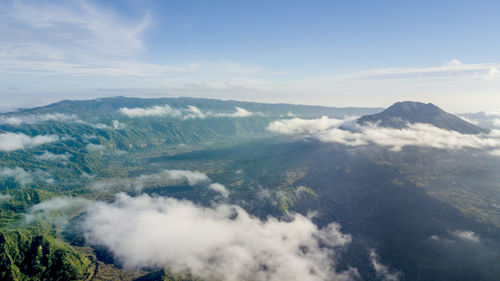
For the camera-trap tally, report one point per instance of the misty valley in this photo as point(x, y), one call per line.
point(198, 189)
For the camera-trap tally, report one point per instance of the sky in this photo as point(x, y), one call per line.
point(335, 53)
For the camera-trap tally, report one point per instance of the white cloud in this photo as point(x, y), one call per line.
point(217, 187)
point(164, 110)
point(79, 25)
point(14, 141)
point(16, 120)
point(48, 156)
point(382, 270)
point(240, 112)
point(219, 243)
point(95, 147)
point(496, 122)
point(453, 68)
point(419, 134)
point(304, 126)
point(163, 178)
point(194, 112)
point(469, 236)
point(189, 113)
point(18, 174)
point(192, 177)
point(118, 125)
point(44, 209)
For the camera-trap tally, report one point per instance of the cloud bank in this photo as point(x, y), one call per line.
point(15, 141)
point(16, 120)
point(424, 135)
point(220, 243)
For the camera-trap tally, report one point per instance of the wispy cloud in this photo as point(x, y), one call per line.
point(163, 178)
point(54, 209)
point(18, 174)
point(165, 232)
point(382, 270)
point(451, 69)
point(78, 24)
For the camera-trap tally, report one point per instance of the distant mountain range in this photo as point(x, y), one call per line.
point(401, 113)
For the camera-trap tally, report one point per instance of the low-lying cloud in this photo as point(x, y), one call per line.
point(191, 112)
point(219, 243)
point(20, 175)
point(15, 141)
point(425, 135)
point(163, 178)
point(55, 209)
point(49, 156)
point(16, 120)
point(164, 110)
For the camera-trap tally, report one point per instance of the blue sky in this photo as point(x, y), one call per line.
point(338, 53)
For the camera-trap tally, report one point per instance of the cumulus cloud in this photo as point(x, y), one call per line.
point(382, 270)
point(15, 141)
point(49, 156)
point(190, 112)
point(18, 174)
point(466, 235)
point(16, 120)
point(219, 243)
point(330, 130)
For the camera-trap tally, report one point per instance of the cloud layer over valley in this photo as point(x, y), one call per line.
point(219, 243)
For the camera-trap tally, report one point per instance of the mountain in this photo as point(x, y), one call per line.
point(400, 114)
point(109, 107)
